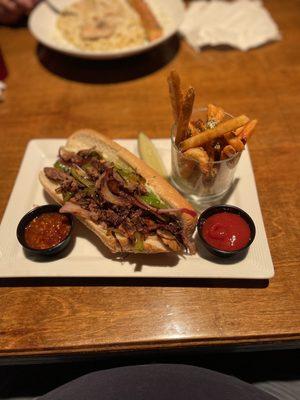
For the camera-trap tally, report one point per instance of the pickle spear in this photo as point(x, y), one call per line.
point(148, 153)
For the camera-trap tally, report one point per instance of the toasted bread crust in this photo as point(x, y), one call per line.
point(87, 138)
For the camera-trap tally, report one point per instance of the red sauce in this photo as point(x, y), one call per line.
point(226, 231)
point(47, 230)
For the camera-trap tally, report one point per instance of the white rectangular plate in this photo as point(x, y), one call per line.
point(87, 257)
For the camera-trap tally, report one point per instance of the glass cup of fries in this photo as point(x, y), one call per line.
point(203, 174)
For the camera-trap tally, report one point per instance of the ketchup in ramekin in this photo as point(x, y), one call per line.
point(226, 230)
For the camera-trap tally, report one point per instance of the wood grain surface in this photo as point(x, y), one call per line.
point(50, 95)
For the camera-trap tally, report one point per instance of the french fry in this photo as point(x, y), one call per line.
point(201, 156)
point(239, 130)
point(227, 152)
point(175, 94)
point(210, 134)
point(247, 130)
point(185, 115)
point(234, 141)
point(215, 114)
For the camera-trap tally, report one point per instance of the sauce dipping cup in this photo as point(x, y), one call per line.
point(231, 210)
point(29, 217)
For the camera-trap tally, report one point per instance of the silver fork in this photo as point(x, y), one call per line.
point(57, 10)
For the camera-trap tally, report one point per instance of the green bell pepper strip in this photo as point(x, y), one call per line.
point(152, 200)
point(139, 242)
point(128, 174)
point(61, 167)
point(80, 178)
point(67, 196)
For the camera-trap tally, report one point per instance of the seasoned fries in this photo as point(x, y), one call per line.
point(227, 152)
point(175, 94)
point(215, 115)
point(197, 126)
point(206, 148)
point(211, 134)
point(234, 141)
point(200, 155)
point(185, 115)
point(247, 130)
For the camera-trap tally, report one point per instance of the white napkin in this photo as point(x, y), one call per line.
point(241, 23)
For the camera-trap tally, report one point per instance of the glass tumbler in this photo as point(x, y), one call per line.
point(197, 184)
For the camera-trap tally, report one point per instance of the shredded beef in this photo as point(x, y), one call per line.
point(136, 217)
point(86, 153)
point(136, 223)
point(173, 227)
point(67, 182)
point(70, 156)
point(92, 172)
point(98, 164)
point(151, 225)
point(110, 217)
point(114, 187)
point(54, 174)
point(141, 190)
point(83, 200)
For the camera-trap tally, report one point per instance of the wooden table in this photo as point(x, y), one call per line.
point(50, 96)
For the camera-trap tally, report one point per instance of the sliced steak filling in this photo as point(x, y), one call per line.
point(115, 197)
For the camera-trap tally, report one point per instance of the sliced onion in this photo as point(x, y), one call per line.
point(110, 197)
point(75, 209)
point(99, 180)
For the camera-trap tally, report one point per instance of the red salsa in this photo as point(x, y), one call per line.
point(47, 230)
point(226, 231)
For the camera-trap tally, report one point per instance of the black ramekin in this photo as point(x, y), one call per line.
point(29, 217)
point(230, 209)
